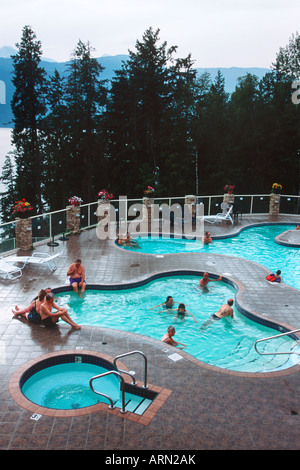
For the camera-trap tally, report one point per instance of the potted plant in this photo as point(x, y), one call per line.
point(105, 195)
point(75, 201)
point(276, 188)
point(148, 191)
point(22, 209)
point(229, 188)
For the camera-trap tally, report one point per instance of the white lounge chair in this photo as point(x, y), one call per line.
point(35, 258)
point(8, 271)
point(224, 215)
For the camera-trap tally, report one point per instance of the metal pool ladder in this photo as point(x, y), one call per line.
point(111, 406)
point(276, 336)
point(130, 373)
point(118, 374)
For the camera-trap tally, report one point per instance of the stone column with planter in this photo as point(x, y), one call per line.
point(274, 204)
point(103, 212)
point(191, 202)
point(228, 198)
point(73, 219)
point(148, 203)
point(24, 234)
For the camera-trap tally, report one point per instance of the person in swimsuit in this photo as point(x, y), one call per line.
point(77, 276)
point(182, 312)
point(169, 303)
point(32, 312)
point(206, 239)
point(50, 319)
point(168, 337)
point(225, 311)
point(205, 280)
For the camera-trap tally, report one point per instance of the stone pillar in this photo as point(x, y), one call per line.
point(228, 198)
point(274, 205)
point(147, 211)
point(103, 212)
point(191, 201)
point(24, 234)
point(73, 219)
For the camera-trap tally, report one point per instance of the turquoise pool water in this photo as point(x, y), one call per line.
point(225, 343)
point(254, 244)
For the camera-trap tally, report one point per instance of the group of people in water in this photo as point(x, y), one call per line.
point(226, 310)
point(127, 240)
point(40, 311)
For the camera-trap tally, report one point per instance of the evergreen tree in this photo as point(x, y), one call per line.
point(54, 132)
point(28, 108)
point(288, 58)
point(85, 100)
point(8, 197)
point(141, 117)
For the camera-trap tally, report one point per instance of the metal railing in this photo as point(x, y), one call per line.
point(48, 225)
point(131, 374)
point(273, 337)
point(114, 372)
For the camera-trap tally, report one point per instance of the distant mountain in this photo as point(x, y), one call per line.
point(7, 51)
point(110, 64)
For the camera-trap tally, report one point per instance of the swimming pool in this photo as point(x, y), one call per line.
point(254, 243)
point(226, 343)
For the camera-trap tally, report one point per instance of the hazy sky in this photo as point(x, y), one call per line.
point(218, 33)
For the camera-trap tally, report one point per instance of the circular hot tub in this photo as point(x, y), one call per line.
point(60, 382)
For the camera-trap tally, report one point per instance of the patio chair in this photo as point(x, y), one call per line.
point(35, 258)
point(7, 271)
point(226, 214)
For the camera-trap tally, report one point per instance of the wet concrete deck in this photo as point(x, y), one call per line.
point(207, 408)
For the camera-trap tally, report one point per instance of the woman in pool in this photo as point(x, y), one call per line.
point(169, 303)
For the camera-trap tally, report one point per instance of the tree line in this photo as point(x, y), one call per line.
point(155, 123)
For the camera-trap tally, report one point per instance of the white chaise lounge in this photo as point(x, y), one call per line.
point(36, 258)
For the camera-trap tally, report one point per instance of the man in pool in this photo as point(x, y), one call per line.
point(167, 338)
point(77, 276)
point(206, 239)
point(50, 319)
point(205, 280)
point(225, 311)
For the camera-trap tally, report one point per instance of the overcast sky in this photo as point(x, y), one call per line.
point(217, 33)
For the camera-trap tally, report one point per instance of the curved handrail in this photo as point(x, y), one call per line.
point(128, 354)
point(106, 396)
point(272, 337)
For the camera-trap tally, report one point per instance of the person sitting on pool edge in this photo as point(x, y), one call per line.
point(167, 338)
point(274, 277)
point(50, 319)
point(32, 312)
point(225, 311)
point(77, 276)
